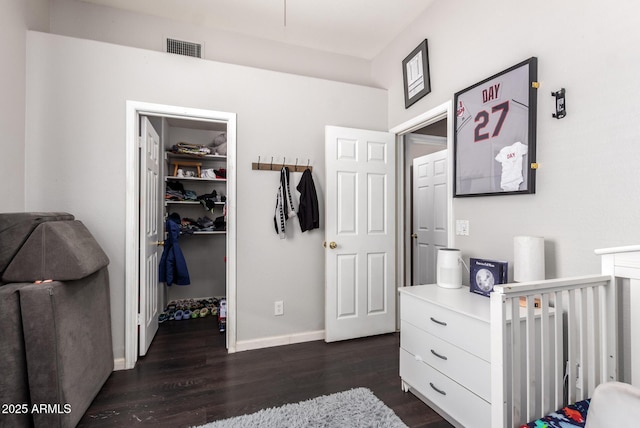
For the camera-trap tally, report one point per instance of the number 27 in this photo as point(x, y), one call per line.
point(482, 120)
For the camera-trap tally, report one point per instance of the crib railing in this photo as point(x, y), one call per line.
point(560, 347)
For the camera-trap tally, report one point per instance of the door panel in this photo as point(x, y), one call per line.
point(376, 277)
point(347, 290)
point(360, 267)
point(347, 209)
point(377, 204)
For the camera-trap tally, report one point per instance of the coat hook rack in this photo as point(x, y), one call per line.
point(258, 166)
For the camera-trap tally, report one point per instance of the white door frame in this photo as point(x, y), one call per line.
point(132, 212)
point(443, 111)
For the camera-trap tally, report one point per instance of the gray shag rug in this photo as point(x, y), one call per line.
point(354, 409)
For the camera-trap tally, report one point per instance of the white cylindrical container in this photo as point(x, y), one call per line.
point(448, 269)
point(528, 258)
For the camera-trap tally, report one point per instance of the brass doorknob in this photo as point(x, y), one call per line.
point(414, 235)
point(158, 243)
point(332, 245)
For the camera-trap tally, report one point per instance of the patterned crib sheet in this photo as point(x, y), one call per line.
point(571, 416)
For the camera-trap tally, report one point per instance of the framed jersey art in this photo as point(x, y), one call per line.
point(495, 133)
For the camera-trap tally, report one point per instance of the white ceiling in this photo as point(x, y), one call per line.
point(359, 28)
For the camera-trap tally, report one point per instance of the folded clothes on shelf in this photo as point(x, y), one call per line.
point(191, 149)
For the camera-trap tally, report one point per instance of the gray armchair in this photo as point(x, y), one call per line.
point(55, 319)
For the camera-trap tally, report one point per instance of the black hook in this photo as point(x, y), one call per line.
point(271, 167)
point(296, 167)
point(258, 163)
point(284, 161)
point(308, 163)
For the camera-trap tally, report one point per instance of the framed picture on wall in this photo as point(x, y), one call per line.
point(415, 73)
point(495, 133)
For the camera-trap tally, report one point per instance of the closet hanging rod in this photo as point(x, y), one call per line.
point(275, 166)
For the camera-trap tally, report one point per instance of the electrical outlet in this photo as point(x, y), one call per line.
point(278, 308)
point(578, 376)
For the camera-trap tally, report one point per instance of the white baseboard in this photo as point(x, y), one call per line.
point(268, 342)
point(119, 364)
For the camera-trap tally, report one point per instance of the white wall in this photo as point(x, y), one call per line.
point(587, 195)
point(76, 94)
point(16, 17)
point(89, 21)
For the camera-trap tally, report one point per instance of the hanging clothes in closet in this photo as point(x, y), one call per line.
point(284, 204)
point(308, 212)
point(173, 266)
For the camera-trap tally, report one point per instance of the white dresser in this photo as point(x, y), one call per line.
point(445, 352)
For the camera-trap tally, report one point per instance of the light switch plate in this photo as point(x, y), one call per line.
point(462, 227)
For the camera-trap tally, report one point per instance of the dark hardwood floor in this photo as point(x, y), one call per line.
point(188, 379)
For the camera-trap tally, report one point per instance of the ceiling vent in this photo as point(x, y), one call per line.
point(181, 47)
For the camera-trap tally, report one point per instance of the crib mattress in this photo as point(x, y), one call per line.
point(571, 416)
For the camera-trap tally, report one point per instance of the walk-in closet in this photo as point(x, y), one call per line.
point(193, 166)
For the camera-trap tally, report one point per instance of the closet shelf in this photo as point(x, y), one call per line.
point(172, 178)
point(214, 232)
point(189, 203)
point(171, 155)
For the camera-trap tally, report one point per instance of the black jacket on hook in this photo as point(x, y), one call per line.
point(308, 212)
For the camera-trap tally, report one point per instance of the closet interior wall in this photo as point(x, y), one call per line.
point(204, 252)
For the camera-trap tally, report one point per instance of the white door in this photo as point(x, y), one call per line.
point(150, 232)
point(430, 214)
point(360, 294)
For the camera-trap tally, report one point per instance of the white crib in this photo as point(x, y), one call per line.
point(567, 345)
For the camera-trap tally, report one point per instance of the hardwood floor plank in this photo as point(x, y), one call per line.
point(188, 378)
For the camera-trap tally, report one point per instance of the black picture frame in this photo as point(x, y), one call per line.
point(495, 133)
point(415, 74)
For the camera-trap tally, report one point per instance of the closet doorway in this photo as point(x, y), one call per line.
point(144, 296)
point(426, 159)
point(437, 121)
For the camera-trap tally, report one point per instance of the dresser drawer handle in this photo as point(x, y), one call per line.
point(438, 322)
point(436, 389)
point(442, 357)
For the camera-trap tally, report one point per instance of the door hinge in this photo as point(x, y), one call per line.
point(139, 319)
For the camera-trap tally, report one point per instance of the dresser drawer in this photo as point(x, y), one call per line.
point(470, 334)
point(468, 370)
point(462, 405)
